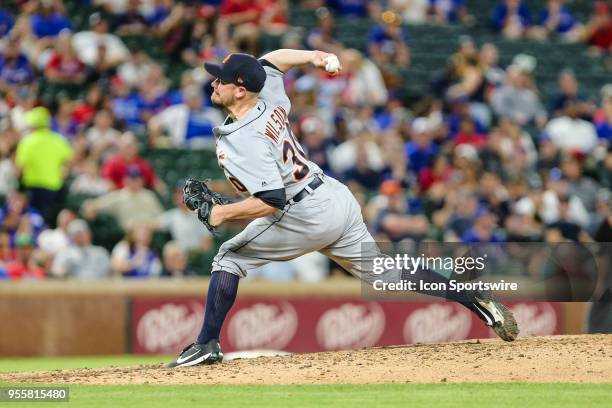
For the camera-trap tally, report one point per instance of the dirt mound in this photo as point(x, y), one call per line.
point(586, 358)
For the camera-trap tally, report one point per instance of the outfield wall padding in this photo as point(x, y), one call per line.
point(56, 318)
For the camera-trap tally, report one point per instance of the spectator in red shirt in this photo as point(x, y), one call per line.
point(64, 66)
point(599, 28)
point(468, 134)
point(7, 254)
point(28, 263)
point(115, 168)
point(249, 17)
point(436, 175)
point(273, 16)
point(240, 11)
point(85, 110)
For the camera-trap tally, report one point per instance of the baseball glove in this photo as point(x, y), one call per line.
point(198, 197)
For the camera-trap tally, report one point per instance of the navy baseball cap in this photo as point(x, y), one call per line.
point(240, 69)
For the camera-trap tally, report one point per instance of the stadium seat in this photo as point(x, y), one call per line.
point(160, 238)
point(106, 231)
point(74, 201)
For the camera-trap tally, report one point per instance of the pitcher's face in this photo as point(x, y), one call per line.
point(225, 94)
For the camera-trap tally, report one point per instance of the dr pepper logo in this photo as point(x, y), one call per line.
point(263, 326)
point(535, 319)
point(439, 322)
point(351, 325)
point(167, 328)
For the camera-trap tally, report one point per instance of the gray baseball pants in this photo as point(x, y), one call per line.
point(328, 220)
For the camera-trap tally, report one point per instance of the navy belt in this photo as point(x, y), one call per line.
point(312, 186)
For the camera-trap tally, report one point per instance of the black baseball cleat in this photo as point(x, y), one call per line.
point(198, 354)
point(498, 317)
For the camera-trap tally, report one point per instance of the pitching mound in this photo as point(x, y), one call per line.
point(586, 358)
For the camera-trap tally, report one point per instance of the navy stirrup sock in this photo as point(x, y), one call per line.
point(222, 291)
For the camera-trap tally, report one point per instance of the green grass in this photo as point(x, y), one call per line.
point(440, 395)
point(57, 363)
point(389, 395)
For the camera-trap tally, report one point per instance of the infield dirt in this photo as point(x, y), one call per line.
point(584, 358)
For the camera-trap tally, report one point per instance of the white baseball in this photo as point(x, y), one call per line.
point(332, 64)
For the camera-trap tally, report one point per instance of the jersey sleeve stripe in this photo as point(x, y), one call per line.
point(267, 63)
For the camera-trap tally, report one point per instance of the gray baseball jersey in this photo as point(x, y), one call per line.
point(259, 153)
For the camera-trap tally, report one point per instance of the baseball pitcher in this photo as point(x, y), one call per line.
point(297, 209)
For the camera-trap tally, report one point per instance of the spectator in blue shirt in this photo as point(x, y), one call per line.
point(447, 11)
point(603, 118)
point(569, 90)
point(150, 103)
point(63, 122)
point(133, 257)
point(187, 124)
point(460, 109)
point(125, 104)
point(15, 69)
point(604, 131)
point(6, 22)
point(388, 41)
point(131, 21)
point(314, 140)
point(323, 36)
point(511, 18)
point(462, 207)
point(161, 12)
point(17, 216)
point(351, 8)
point(484, 228)
point(401, 218)
point(361, 173)
point(421, 150)
point(557, 19)
point(48, 21)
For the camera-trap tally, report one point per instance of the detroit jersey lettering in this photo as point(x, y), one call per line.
point(259, 152)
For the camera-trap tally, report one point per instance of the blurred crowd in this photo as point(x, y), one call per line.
point(483, 157)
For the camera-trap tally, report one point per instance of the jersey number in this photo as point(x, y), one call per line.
point(301, 169)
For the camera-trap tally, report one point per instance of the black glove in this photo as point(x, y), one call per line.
point(198, 197)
